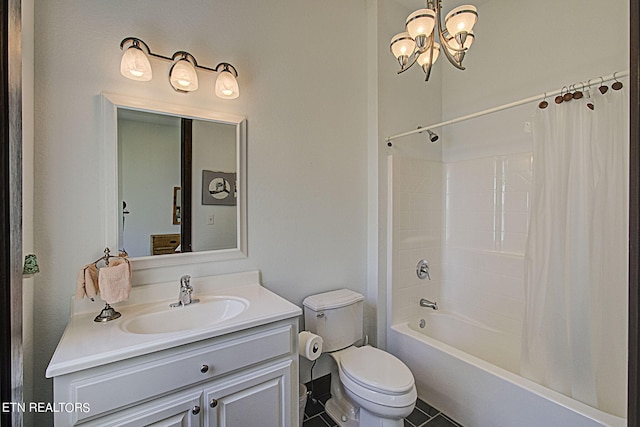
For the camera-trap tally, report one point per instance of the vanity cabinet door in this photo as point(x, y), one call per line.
point(176, 410)
point(259, 398)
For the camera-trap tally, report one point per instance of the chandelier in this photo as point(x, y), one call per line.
point(418, 43)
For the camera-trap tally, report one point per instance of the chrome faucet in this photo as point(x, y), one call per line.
point(184, 298)
point(430, 304)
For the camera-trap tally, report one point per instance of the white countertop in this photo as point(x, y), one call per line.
point(86, 344)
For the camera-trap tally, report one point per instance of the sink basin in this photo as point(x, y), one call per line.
point(163, 319)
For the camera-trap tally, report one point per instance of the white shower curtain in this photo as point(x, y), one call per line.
point(575, 322)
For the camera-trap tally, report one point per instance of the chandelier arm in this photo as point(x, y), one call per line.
point(431, 46)
point(443, 40)
point(413, 61)
point(445, 33)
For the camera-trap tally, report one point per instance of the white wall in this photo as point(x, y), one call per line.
point(305, 97)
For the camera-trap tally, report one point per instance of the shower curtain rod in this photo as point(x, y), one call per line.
point(616, 75)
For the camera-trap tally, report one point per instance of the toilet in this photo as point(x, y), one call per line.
point(369, 387)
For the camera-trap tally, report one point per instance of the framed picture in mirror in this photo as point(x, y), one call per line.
point(218, 188)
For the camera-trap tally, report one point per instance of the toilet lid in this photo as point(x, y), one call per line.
point(376, 369)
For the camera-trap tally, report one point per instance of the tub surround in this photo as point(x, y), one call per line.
point(86, 344)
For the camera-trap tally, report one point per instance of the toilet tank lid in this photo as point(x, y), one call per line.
point(332, 299)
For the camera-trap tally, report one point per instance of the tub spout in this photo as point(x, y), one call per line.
point(430, 304)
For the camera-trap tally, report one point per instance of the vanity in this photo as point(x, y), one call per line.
point(230, 359)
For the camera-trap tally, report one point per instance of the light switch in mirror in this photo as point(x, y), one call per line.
point(157, 159)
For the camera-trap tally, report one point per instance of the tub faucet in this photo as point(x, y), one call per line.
point(430, 304)
point(184, 298)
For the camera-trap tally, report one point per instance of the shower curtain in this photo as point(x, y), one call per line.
point(575, 322)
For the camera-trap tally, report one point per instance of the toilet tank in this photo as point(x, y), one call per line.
point(336, 316)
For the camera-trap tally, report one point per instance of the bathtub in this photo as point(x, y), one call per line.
point(469, 372)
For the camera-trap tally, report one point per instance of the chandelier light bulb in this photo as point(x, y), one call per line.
point(135, 64)
point(461, 19)
point(423, 59)
point(420, 25)
point(402, 46)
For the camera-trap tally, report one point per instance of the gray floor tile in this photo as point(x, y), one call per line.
point(440, 421)
point(316, 421)
point(417, 417)
point(426, 408)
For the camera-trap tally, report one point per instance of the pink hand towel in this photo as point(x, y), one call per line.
point(115, 281)
point(87, 282)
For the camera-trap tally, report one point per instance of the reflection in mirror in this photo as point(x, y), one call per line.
point(160, 162)
point(154, 152)
point(176, 205)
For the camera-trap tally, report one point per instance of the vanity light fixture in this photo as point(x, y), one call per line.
point(182, 75)
point(418, 43)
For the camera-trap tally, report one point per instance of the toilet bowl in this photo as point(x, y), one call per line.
point(369, 387)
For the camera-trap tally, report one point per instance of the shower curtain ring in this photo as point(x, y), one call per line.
point(560, 98)
point(543, 104)
point(590, 104)
point(617, 85)
point(568, 96)
point(603, 88)
point(578, 93)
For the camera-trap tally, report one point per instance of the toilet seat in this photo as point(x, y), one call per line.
point(377, 376)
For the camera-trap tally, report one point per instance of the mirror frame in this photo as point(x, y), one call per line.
point(110, 221)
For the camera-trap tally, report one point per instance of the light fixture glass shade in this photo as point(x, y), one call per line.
point(135, 64)
point(421, 23)
point(461, 19)
point(227, 86)
point(402, 45)
point(183, 76)
point(423, 59)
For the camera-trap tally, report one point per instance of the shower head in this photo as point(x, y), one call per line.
point(433, 137)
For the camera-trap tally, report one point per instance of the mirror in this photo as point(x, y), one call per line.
point(175, 182)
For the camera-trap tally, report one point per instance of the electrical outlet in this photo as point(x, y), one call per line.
point(527, 127)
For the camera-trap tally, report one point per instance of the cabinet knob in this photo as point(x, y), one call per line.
point(195, 410)
point(204, 369)
point(213, 403)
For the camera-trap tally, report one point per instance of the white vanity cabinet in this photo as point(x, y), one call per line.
point(241, 379)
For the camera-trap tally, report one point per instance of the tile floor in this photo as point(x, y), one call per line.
point(424, 415)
